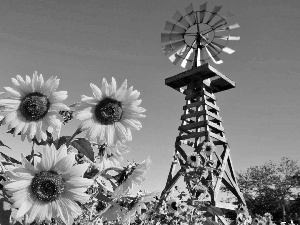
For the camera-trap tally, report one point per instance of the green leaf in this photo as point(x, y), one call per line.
point(2, 144)
point(10, 159)
point(62, 140)
point(104, 198)
point(84, 147)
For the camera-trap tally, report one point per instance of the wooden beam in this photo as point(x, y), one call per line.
point(224, 205)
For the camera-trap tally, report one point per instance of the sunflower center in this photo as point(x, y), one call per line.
point(208, 148)
point(174, 205)
point(108, 111)
point(47, 186)
point(34, 106)
point(193, 158)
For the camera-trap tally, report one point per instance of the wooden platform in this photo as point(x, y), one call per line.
point(219, 82)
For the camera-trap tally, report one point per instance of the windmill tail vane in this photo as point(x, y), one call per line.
point(198, 36)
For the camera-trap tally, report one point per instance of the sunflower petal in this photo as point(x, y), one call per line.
point(76, 171)
point(96, 91)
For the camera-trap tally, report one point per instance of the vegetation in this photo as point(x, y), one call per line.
point(272, 187)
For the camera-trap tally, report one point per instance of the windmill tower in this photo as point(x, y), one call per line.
point(190, 41)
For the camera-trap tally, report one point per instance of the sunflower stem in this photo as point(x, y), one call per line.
point(32, 153)
point(78, 131)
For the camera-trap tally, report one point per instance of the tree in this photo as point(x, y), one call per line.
point(270, 187)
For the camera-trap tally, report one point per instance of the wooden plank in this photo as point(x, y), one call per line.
point(212, 105)
point(215, 116)
point(219, 82)
point(182, 79)
point(223, 167)
point(218, 137)
point(225, 205)
point(217, 142)
point(200, 93)
point(171, 171)
point(181, 151)
point(194, 114)
point(185, 131)
point(193, 125)
point(231, 188)
point(210, 95)
point(194, 104)
point(216, 126)
point(231, 169)
point(193, 135)
point(222, 76)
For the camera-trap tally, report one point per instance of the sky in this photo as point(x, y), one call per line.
point(82, 42)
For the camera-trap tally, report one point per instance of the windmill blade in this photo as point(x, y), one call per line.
point(202, 12)
point(174, 58)
point(230, 27)
point(214, 13)
point(171, 37)
point(187, 62)
point(169, 48)
point(222, 47)
point(174, 28)
point(224, 18)
point(221, 22)
point(230, 38)
point(214, 57)
point(191, 14)
point(180, 19)
point(200, 59)
point(228, 16)
point(179, 55)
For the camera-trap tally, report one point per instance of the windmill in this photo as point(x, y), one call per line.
point(191, 40)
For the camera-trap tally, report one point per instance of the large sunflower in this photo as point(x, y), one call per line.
point(32, 107)
point(50, 188)
point(111, 113)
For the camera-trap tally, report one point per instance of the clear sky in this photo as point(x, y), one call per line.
point(82, 41)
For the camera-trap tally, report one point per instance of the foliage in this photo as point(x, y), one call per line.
point(110, 198)
point(268, 187)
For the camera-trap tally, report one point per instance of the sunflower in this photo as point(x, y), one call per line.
point(137, 205)
point(32, 107)
point(193, 159)
point(132, 174)
point(174, 206)
point(111, 155)
point(208, 148)
point(111, 114)
point(50, 188)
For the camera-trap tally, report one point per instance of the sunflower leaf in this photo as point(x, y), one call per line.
point(2, 144)
point(10, 159)
point(84, 147)
point(62, 140)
